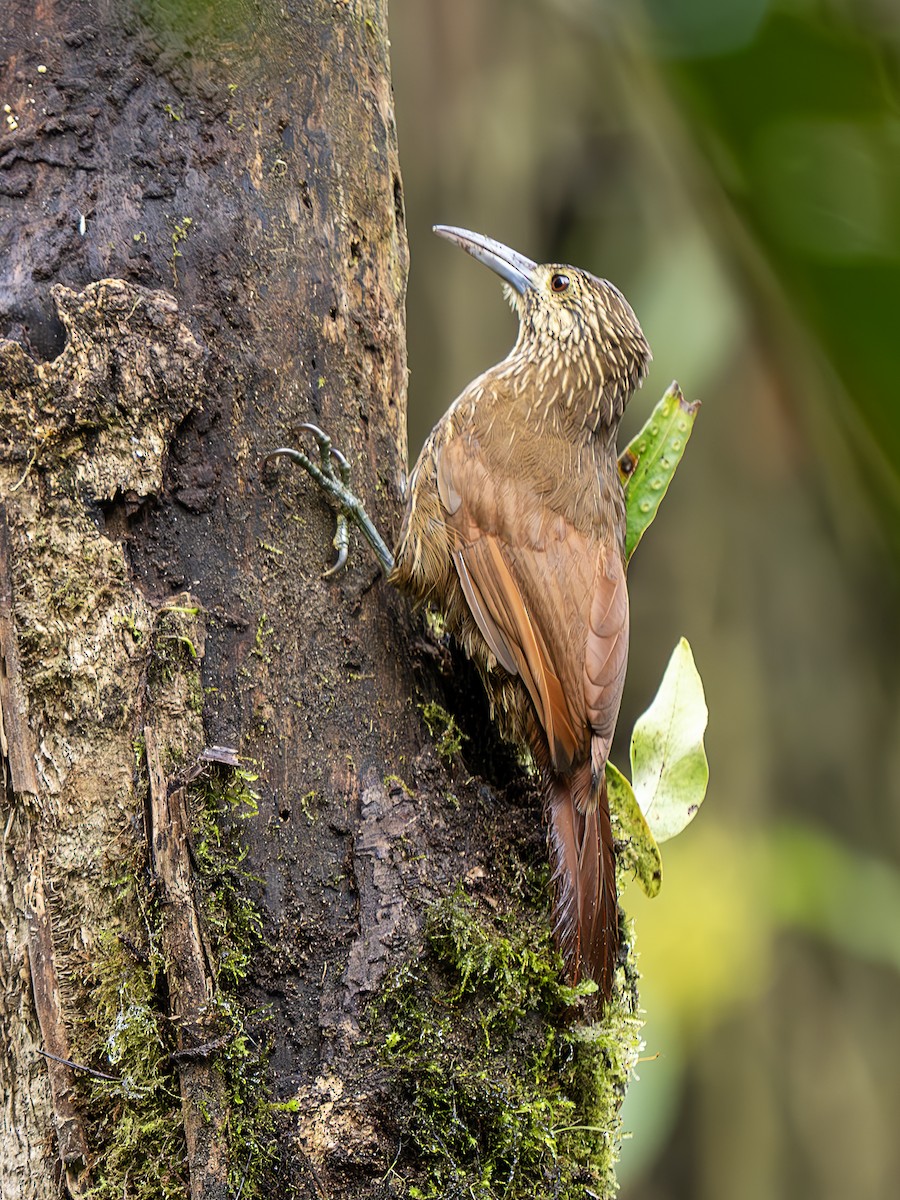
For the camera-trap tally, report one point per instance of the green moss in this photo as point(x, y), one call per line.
point(230, 917)
point(139, 749)
point(233, 928)
point(393, 783)
point(136, 1122)
point(179, 233)
point(307, 803)
point(195, 694)
point(259, 644)
point(434, 623)
point(173, 652)
point(130, 625)
point(135, 1127)
point(509, 1088)
point(443, 728)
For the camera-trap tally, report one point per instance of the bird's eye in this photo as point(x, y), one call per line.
point(559, 283)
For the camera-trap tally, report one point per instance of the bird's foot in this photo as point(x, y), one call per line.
point(332, 474)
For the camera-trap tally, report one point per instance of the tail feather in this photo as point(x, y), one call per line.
point(585, 917)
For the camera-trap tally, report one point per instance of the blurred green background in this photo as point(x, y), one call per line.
point(735, 168)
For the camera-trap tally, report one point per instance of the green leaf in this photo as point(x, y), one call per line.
point(669, 770)
point(648, 462)
point(637, 851)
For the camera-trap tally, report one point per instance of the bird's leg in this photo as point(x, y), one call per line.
point(332, 474)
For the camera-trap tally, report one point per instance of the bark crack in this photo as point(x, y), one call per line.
point(16, 741)
point(191, 983)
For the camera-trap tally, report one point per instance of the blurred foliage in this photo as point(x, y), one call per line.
point(734, 168)
point(800, 120)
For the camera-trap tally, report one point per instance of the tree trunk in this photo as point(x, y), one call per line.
point(245, 874)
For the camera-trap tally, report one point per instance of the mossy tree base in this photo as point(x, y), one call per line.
point(511, 1081)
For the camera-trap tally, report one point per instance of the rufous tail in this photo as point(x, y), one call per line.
point(585, 915)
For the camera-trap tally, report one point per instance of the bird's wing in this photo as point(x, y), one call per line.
point(549, 599)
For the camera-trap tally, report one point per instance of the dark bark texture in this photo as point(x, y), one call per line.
point(241, 159)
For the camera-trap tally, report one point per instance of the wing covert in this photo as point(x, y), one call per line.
point(550, 600)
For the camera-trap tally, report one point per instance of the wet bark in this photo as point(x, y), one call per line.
point(202, 234)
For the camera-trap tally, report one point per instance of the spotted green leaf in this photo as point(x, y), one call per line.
point(669, 771)
point(648, 462)
point(637, 852)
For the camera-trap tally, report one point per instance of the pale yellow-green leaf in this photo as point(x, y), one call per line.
point(637, 852)
point(669, 771)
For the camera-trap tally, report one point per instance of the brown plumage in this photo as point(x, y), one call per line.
point(514, 528)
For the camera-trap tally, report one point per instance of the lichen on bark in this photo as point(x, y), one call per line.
point(81, 436)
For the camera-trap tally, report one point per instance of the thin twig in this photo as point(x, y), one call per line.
point(194, 1052)
point(67, 1062)
point(244, 1176)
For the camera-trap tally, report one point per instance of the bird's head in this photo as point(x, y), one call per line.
point(567, 314)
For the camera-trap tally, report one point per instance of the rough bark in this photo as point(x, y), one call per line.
point(239, 163)
point(201, 223)
point(74, 666)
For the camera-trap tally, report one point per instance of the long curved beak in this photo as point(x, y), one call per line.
point(515, 268)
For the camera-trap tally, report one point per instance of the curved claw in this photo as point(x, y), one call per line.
point(319, 434)
point(341, 543)
point(321, 437)
point(328, 453)
point(336, 484)
point(284, 452)
point(343, 465)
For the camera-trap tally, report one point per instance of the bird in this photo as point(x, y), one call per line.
point(514, 529)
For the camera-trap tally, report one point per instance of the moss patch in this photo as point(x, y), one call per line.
point(231, 919)
point(136, 1131)
point(509, 1089)
point(448, 737)
point(233, 928)
point(136, 1120)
